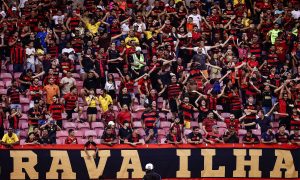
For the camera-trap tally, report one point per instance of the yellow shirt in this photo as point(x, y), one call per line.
point(93, 101)
point(93, 28)
point(10, 140)
point(105, 101)
point(235, 2)
point(128, 39)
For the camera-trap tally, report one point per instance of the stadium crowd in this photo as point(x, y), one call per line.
point(157, 71)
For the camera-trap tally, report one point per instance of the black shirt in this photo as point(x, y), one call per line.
point(195, 137)
point(45, 140)
point(108, 137)
point(123, 133)
point(87, 144)
point(264, 123)
point(124, 99)
point(90, 83)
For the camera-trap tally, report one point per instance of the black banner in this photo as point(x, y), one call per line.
point(202, 162)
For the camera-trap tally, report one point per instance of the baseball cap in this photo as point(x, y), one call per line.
point(111, 123)
point(149, 166)
point(138, 49)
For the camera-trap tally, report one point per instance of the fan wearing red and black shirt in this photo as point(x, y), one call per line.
point(56, 109)
point(173, 137)
point(134, 138)
point(250, 138)
point(13, 94)
point(231, 121)
point(108, 137)
point(187, 111)
point(208, 123)
point(195, 137)
point(214, 136)
point(71, 139)
point(109, 115)
point(281, 136)
point(295, 138)
point(149, 118)
point(71, 103)
point(249, 121)
point(34, 115)
point(36, 91)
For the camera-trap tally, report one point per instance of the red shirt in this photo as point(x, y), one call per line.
point(71, 140)
point(209, 123)
point(124, 116)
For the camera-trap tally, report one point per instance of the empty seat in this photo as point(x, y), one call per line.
point(78, 133)
point(137, 124)
point(165, 124)
point(256, 132)
point(187, 132)
point(222, 124)
point(90, 133)
point(6, 76)
point(194, 124)
point(83, 126)
point(69, 125)
point(162, 116)
point(17, 75)
point(142, 132)
point(60, 141)
point(7, 84)
point(24, 117)
point(97, 125)
point(3, 91)
point(24, 100)
point(99, 132)
point(62, 134)
point(24, 126)
point(242, 132)
point(163, 140)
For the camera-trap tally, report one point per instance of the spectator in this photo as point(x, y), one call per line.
point(52, 128)
point(268, 137)
point(150, 174)
point(31, 139)
point(109, 115)
point(34, 115)
point(56, 109)
point(295, 137)
point(51, 90)
point(214, 136)
point(124, 115)
point(208, 123)
point(282, 136)
point(66, 83)
point(151, 137)
point(108, 137)
point(92, 102)
point(133, 139)
point(104, 100)
point(45, 138)
point(13, 119)
point(250, 138)
point(231, 135)
point(173, 138)
point(71, 104)
point(71, 139)
point(13, 94)
point(88, 145)
point(195, 137)
point(150, 119)
point(10, 139)
point(124, 131)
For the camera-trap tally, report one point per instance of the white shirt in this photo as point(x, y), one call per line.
point(30, 52)
point(22, 2)
point(69, 51)
point(141, 26)
point(125, 28)
point(204, 50)
point(196, 19)
point(109, 86)
point(56, 18)
point(296, 14)
point(66, 88)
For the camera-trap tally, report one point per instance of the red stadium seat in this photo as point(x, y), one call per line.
point(163, 140)
point(99, 132)
point(24, 126)
point(194, 124)
point(7, 84)
point(17, 75)
point(22, 141)
point(187, 132)
point(3, 91)
point(78, 133)
point(60, 141)
point(23, 134)
point(2, 85)
point(24, 100)
point(222, 130)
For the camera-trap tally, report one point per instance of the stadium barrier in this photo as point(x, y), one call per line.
point(123, 161)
